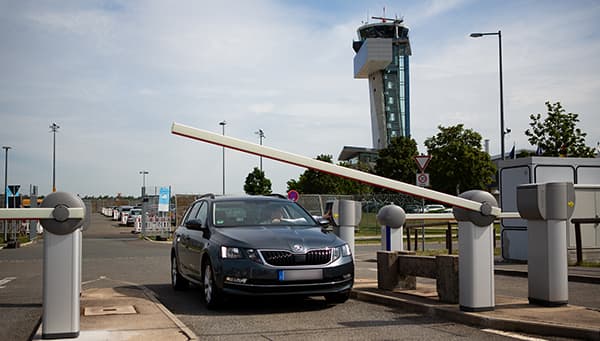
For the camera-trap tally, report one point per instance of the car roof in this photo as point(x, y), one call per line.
point(276, 197)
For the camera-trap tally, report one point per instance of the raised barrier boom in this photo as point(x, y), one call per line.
point(306, 162)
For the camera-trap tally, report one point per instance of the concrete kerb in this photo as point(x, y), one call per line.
point(572, 278)
point(452, 313)
point(184, 329)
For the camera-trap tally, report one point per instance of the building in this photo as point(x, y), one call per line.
point(382, 57)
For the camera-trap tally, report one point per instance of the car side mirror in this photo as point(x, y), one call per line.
point(324, 222)
point(194, 224)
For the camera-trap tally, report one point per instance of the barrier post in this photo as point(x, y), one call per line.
point(476, 260)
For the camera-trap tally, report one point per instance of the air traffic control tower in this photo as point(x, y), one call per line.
point(382, 52)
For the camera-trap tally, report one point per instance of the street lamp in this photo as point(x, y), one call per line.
point(143, 172)
point(502, 131)
point(222, 124)
point(54, 128)
point(261, 136)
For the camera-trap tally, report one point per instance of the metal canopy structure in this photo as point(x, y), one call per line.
point(306, 162)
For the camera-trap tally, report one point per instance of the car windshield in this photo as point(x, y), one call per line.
point(259, 212)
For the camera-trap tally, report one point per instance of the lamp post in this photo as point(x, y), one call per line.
point(502, 131)
point(261, 136)
point(222, 124)
point(54, 128)
point(6, 148)
point(143, 173)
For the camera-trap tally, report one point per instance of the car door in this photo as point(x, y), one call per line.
point(197, 241)
point(183, 239)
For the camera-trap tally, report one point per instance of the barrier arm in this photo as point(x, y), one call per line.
point(38, 213)
point(306, 162)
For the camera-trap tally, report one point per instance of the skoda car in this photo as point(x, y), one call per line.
point(258, 245)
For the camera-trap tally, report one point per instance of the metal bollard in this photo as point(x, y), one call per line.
point(62, 267)
point(391, 218)
point(476, 260)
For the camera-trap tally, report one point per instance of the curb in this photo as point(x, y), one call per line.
point(449, 312)
point(159, 242)
point(184, 329)
point(572, 278)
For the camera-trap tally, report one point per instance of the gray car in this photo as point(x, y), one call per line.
point(258, 245)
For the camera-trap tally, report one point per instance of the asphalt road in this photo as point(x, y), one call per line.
point(113, 257)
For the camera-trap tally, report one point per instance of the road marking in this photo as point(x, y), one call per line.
point(513, 335)
point(5, 281)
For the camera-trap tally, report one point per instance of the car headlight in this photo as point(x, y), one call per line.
point(231, 252)
point(341, 251)
point(238, 253)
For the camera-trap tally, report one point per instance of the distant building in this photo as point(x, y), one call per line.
point(382, 57)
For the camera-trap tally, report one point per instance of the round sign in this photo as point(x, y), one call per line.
point(423, 179)
point(293, 195)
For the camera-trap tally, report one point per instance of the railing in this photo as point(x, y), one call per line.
point(578, 244)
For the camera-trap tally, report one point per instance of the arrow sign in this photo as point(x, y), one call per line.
point(13, 190)
point(422, 161)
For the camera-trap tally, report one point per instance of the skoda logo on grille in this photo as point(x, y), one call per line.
point(297, 248)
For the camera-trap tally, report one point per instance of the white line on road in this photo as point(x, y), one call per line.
point(513, 335)
point(5, 281)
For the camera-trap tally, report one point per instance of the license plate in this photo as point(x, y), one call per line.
point(300, 275)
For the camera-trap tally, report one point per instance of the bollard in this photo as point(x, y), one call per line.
point(346, 216)
point(62, 267)
point(476, 260)
point(391, 218)
point(547, 208)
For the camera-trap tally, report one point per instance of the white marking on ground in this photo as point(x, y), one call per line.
point(513, 335)
point(6, 280)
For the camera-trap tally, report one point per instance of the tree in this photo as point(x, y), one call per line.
point(316, 182)
point(557, 134)
point(257, 183)
point(397, 160)
point(457, 162)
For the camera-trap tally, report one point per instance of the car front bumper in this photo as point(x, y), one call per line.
point(249, 278)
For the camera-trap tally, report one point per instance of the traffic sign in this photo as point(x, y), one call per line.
point(13, 190)
point(293, 195)
point(423, 179)
point(422, 161)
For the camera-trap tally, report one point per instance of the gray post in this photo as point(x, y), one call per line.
point(62, 267)
point(476, 260)
point(391, 218)
point(346, 215)
point(547, 208)
point(33, 204)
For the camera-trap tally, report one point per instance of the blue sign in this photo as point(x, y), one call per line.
point(164, 196)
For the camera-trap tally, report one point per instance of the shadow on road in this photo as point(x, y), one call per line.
point(189, 302)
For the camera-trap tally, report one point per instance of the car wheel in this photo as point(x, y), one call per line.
point(212, 294)
point(177, 280)
point(337, 298)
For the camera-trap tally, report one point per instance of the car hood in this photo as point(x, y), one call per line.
point(277, 237)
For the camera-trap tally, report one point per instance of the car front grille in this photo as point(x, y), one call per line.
point(286, 258)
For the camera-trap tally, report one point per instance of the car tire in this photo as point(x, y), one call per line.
point(337, 298)
point(212, 294)
point(177, 280)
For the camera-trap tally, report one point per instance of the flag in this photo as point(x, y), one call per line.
point(512, 154)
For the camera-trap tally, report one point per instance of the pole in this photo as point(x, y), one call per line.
point(223, 123)
point(261, 135)
point(6, 148)
point(502, 132)
point(144, 172)
point(54, 127)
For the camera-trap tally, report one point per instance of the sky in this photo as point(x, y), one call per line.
point(114, 75)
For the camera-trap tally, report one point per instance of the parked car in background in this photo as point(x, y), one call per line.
point(434, 208)
point(124, 209)
point(132, 216)
point(413, 209)
point(258, 245)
